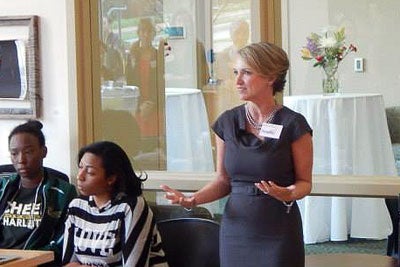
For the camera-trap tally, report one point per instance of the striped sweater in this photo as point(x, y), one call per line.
point(122, 233)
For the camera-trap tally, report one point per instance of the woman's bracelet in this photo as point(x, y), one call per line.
point(288, 205)
point(193, 204)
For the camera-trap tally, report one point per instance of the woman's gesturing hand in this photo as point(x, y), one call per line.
point(177, 197)
point(279, 192)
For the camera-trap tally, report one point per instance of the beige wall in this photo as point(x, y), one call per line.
point(57, 57)
point(371, 24)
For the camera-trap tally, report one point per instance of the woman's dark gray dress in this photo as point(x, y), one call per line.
point(256, 229)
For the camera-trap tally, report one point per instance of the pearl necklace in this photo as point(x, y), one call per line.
point(267, 118)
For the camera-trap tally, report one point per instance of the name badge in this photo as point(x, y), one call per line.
point(271, 130)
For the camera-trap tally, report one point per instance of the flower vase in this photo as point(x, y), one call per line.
point(330, 82)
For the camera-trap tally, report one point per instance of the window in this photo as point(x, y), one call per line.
point(158, 75)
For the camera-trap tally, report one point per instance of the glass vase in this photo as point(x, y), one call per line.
point(330, 82)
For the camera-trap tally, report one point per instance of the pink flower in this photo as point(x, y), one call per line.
point(327, 48)
point(353, 48)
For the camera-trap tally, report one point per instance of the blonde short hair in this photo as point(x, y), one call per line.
point(268, 60)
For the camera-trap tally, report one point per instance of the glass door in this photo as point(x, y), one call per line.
point(161, 73)
point(231, 22)
point(132, 79)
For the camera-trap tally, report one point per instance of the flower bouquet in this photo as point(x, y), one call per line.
point(327, 50)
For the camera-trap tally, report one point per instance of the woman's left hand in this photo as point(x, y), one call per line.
point(279, 192)
point(177, 197)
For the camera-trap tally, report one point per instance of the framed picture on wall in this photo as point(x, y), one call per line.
point(19, 67)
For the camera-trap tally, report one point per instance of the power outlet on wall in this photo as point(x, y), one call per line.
point(359, 64)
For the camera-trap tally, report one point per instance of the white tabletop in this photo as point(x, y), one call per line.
point(188, 138)
point(350, 137)
point(188, 133)
point(330, 96)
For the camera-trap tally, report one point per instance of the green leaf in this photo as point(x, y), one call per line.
point(340, 35)
point(315, 37)
point(317, 64)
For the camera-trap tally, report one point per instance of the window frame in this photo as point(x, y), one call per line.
point(88, 69)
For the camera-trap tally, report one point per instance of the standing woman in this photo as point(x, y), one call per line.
point(145, 69)
point(110, 224)
point(264, 161)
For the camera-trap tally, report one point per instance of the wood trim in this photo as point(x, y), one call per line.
point(84, 72)
point(277, 22)
point(378, 186)
point(265, 27)
point(96, 111)
point(270, 21)
point(32, 102)
point(271, 27)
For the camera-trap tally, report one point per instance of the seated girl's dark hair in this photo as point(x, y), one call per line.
point(116, 162)
point(32, 127)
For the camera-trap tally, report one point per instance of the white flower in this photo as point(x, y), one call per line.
point(328, 42)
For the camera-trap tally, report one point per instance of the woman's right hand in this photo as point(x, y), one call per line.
point(177, 197)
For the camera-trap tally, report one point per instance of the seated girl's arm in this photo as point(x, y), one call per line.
point(139, 234)
point(68, 256)
point(56, 245)
point(157, 256)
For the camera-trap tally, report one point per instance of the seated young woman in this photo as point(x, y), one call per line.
point(110, 224)
point(33, 202)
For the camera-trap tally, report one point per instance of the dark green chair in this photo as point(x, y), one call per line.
point(164, 212)
point(190, 242)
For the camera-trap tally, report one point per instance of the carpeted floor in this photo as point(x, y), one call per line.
point(351, 246)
